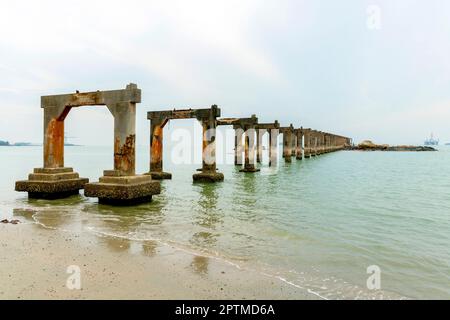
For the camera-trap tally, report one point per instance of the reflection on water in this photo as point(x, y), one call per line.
point(116, 244)
point(208, 217)
point(318, 223)
point(200, 265)
point(149, 248)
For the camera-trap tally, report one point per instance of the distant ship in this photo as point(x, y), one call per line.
point(431, 141)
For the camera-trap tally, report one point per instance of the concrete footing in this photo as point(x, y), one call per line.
point(123, 190)
point(51, 183)
point(159, 175)
point(249, 169)
point(208, 177)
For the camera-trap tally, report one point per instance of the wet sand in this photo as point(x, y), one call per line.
point(34, 262)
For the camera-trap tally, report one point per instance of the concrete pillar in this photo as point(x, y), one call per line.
point(273, 147)
point(124, 114)
point(299, 151)
point(209, 146)
point(156, 149)
point(293, 144)
point(287, 143)
point(306, 143)
point(238, 133)
point(156, 146)
point(209, 173)
point(259, 147)
point(54, 136)
point(249, 150)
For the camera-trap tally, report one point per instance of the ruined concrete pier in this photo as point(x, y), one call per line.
point(261, 130)
point(55, 180)
point(244, 127)
point(208, 120)
point(121, 185)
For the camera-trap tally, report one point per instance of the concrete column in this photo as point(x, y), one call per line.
point(208, 172)
point(124, 137)
point(238, 133)
point(299, 151)
point(273, 147)
point(249, 150)
point(306, 141)
point(287, 143)
point(313, 144)
point(156, 146)
point(259, 147)
point(209, 146)
point(156, 149)
point(54, 136)
point(293, 144)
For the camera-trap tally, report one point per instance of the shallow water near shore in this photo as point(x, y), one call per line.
point(316, 224)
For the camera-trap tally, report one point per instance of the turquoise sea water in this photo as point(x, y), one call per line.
point(316, 224)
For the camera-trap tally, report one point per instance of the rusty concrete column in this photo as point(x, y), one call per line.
point(157, 123)
point(156, 146)
point(306, 143)
point(54, 136)
point(293, 144)
point(287, 144)
point(238, 148)
point(299, 151)
point(208, 172)
point(313, 143)
point(124, 114)
point(273, 146)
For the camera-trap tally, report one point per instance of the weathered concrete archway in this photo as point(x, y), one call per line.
point(288, 138)
point(243, 127)
point(273, 130)
point(207, 117)
point(118, 185)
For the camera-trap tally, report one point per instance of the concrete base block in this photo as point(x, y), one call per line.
point(208, 177)
point(51, 183)
point(160, 175)
point(123, 190)
point(250, 169)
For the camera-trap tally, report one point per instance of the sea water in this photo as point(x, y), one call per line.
point(317, 224)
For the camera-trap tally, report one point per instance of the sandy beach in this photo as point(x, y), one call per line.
point(34, 261)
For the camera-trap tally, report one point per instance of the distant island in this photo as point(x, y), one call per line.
point(29, 144)
point(368, 145)
point(17, 144)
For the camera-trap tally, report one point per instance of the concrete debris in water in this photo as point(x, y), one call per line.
point(12, 221)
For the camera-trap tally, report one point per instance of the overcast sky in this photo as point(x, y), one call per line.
point(315, 63)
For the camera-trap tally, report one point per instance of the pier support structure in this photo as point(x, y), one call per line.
point(243, 127)
point(208, 120)
point(307, 142)
point(118, 186)
point(273, 130)
point(288, 134)
point(299, 145)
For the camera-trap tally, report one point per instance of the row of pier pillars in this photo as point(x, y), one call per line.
point(122, 185)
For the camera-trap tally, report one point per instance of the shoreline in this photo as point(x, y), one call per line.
point(35, 261)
